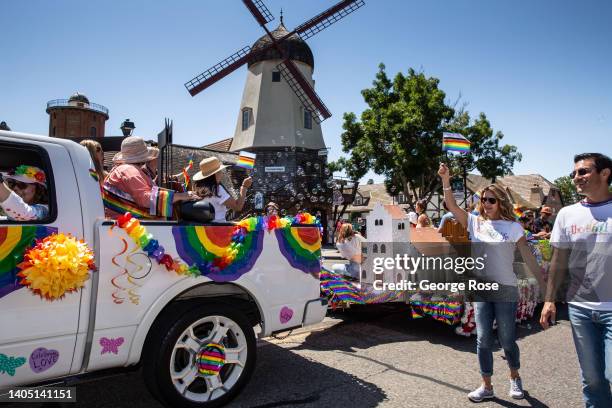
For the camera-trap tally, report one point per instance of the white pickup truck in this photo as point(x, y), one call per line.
point(132, 310)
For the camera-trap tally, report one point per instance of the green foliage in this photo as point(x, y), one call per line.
point(399, 135)
point(568, 190)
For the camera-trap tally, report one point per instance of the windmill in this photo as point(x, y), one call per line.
point(290, 72)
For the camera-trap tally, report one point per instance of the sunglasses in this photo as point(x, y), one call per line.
point(16, 184)
point(490, 200)
point(580, 172)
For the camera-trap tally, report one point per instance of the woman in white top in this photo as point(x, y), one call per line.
point(496, 234)
point(349, 245)
point(207, 184)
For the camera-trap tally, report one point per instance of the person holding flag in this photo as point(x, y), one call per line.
point(207, 184)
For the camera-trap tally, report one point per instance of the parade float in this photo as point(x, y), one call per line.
point(390, 236)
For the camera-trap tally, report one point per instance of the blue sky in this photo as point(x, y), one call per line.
point(540, 70)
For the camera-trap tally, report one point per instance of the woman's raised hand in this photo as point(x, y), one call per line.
point(444, 172)
point(247, 182)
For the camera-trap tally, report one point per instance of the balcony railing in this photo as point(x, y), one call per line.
point(65, 103)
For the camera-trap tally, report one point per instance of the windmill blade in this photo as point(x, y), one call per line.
point(218, 71)
point(327, 18)
point(259, 10)
point(305, 93)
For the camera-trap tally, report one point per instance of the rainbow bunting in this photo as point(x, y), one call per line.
point(454, 142)
point(338, 289)
point(246, 160)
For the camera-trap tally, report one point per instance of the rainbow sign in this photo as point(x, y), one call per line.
point(207, 247)
point(301, 246)
point(454, 142)
point(246, 160)
point(14, 241)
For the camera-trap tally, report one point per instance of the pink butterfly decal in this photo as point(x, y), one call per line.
point(110, 345)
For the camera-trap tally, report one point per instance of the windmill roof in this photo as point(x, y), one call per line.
point(294, 47)
point(221, 145)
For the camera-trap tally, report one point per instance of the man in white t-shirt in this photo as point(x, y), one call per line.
point(582, 242)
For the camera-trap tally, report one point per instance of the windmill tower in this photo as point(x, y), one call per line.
point(280, 113)
point(271, 115)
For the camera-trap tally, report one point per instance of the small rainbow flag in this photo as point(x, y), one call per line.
point(518, 213)
point(186, 175)
point(454, 142)
point(246, 160)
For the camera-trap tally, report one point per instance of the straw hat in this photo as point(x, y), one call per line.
point(208, 167)
point(134, 150)
point(546, 210)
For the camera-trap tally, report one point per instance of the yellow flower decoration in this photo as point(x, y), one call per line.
point(55, 265)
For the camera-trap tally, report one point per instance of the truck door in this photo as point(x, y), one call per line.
point(37, 336)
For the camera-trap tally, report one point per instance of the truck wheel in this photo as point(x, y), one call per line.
point(200, 358)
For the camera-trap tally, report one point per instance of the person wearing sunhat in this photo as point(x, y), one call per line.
point(129, 187)
point(23, 194)
point(543, 225)
point(207, 184)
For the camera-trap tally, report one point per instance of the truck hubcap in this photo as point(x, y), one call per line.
point(208, 358)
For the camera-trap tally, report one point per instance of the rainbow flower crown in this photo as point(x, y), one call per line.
point(31, 172)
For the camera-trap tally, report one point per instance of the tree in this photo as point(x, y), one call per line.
point(399, 135)
point(568, 190)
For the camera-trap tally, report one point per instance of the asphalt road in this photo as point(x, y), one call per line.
point(379, 357)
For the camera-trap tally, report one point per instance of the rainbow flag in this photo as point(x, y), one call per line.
point(186, 175)
point(518, 213)
point(246, 160)
point(454, 142)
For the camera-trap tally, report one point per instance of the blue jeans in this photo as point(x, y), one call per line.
point(592, 332)
point(505, 314)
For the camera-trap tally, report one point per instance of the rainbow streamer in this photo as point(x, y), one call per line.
point(338, 289)
point(448, 312)
point(221, 253)
point(454, 142)
point(246, 160)
point(371, 297)
point(14, 241)
point(301, 246)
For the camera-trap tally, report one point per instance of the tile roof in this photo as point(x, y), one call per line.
point(397, 212)
point(221, 145)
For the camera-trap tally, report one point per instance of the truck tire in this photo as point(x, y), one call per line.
point(200, 358)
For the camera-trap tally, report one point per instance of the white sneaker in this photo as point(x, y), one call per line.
point(516, 388)
point(480, 394)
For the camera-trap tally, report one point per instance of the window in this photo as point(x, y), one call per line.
point(358, 200)
point(376, 222)
point(383, 249)
point(380, 222)
point(276, 76)
point(13, 155)
point(246, 118)
point(375, 249)
point(399, 278)
point(307, 119)
point(92, 131)
point(401, 198)
point(364, 274)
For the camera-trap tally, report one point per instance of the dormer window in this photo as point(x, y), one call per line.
point(276, 76)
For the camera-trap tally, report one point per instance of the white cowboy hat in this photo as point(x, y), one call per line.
point(208, 167)
point(134, 150)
